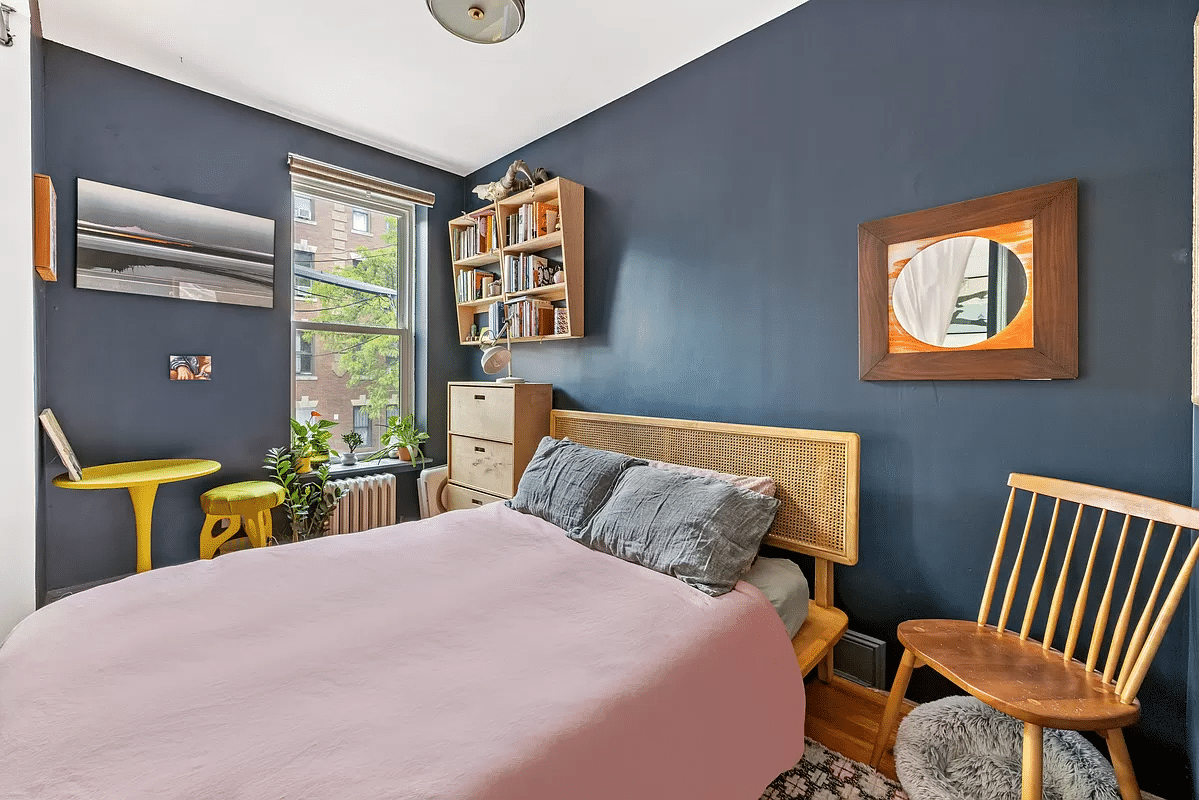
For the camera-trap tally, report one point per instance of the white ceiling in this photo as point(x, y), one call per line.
point(384, 73)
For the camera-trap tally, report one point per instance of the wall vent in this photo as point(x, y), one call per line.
point(862, 659)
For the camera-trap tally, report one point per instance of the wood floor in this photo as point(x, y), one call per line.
point(843, 716)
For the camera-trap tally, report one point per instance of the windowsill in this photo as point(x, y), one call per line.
point(303, 377)
point(392, 465)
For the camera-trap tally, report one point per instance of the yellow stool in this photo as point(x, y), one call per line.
point(252, 500)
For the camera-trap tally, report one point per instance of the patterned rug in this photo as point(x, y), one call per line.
point(824, 775)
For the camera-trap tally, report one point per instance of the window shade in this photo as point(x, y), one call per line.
point(350, 185)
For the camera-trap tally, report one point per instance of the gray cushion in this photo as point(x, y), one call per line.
point(961, 747)
point(703, 531)
point(566, 482)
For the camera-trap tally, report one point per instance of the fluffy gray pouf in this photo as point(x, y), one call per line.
point(960, 748)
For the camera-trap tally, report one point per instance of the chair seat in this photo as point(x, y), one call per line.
point(1018, 677)
point(245, 498)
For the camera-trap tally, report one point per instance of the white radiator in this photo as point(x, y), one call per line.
point(368, 501)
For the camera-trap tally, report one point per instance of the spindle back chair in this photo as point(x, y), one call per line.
point(1029, 679)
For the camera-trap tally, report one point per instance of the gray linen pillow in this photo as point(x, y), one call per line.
point(566, 482)
point(703, 531)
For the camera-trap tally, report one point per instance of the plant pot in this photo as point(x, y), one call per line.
point(304, 464)
point(349, 458)
point(402, 454)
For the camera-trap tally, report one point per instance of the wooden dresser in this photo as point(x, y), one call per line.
point(494, 428)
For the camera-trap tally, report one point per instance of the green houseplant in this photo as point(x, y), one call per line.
point(310, 441)
point(310, 500)
point(402, 434)
point(353, 441)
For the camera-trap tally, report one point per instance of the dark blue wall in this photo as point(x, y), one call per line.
point(105, 352)
point(722, 210)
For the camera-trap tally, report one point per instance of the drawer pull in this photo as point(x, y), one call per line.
point(476, 502)
point(480, 397)
point(480, 450)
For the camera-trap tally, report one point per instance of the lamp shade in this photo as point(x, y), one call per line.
point(479, 21)
point(495, 358)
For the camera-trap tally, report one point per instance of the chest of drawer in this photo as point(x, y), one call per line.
point(484, 412)
point(461, 497)
point(482, 464)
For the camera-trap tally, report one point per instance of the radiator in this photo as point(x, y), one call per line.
point(368, 501)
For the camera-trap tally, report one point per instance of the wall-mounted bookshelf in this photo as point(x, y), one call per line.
point(531, 246)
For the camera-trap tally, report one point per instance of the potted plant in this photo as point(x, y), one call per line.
point(401, 435)
point(353, 441)
point(310, 441)
point(309, 501)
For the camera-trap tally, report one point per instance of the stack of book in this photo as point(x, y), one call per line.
point(528, 272)
point(530, 318)
point(479, 238)
point(532, 220)
point(473, 284)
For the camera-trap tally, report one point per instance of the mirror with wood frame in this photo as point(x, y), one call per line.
point(980, 290)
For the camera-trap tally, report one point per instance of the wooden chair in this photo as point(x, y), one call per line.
point(1030, 679)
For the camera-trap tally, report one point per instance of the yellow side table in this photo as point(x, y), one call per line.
point(142, 479)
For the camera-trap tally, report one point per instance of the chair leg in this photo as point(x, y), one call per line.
point(1118, 750)
point(1033, 749)
point(210, 542)
point(824, 670)
point(253, 532)
point(887, 724)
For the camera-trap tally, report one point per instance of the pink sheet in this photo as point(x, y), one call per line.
point(479, 654)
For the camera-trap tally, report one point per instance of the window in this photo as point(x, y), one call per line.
point(352, 309)
point(304, 260)
point(302, 208)
point(304, 354)
point(392, 411)
point(362, 424)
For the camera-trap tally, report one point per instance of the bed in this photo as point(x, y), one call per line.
point(478, 655)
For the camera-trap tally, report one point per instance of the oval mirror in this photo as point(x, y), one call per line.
point(959, 291)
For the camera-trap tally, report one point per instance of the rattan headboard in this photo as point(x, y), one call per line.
point(815, 472)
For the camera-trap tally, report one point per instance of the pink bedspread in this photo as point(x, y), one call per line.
point(479, 654)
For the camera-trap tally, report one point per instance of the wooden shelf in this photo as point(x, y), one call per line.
point(481, 303)
point(547, 242)
point(553, 337)
point(481, 260)
point(553, 291)
point(568, 197)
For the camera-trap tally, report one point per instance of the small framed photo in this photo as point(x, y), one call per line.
point(191, 368)
point(50, 424)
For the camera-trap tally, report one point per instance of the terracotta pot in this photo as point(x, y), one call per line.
point(402, 454)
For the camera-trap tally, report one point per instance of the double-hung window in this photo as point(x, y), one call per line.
point(352, 307)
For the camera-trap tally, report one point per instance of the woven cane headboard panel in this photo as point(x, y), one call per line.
point(815, 472)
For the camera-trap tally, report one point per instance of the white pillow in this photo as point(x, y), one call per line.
point(784, 584)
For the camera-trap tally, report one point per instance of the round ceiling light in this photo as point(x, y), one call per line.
point(479, 21)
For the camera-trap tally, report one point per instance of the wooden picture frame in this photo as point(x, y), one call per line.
point(1050, 213)
point(45, 228)
point(59, 440)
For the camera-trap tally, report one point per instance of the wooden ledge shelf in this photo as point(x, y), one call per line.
point(547, 242)
point(481, 260)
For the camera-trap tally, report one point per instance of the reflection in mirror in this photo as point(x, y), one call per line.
point(959, 291)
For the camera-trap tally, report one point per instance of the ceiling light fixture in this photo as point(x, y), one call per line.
point(479, 21)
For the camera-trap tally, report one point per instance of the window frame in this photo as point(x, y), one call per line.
point(356, 210)
point(408, 228)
